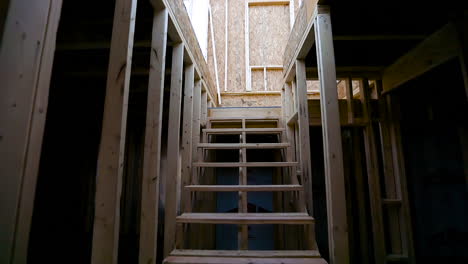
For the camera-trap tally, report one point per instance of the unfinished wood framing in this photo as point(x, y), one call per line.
point(26, 58)
point(181, 19)
point(438, 48)
point(173, 143)
point(373, 178)
point(332, 147)
point(112, 146)
point(152, 151)
point(187, 143)
point(303, 132)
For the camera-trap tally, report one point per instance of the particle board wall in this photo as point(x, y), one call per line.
point(269, 27)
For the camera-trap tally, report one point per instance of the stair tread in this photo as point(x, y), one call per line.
point(243, 145)
point(248, 253)
point(240, 260)
point(246, 218)
point(233, 188)
point(244, 164)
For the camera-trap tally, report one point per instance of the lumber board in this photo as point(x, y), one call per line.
point(244, 164)
point(173, 143)
point(437, 49)
point(236, 131)
point(332, 146)
point(187, 143)
point(237, 260)
point(303, 132)
point(246, 218)
point(26, 58)
point(184, 28)
point(268, 2)
point(248, 253)
point(301, 38)
point(243, 145)
point(243, 188)
point(111, 151)
point(152, 144)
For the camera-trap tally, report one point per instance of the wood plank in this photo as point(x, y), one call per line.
point(244, 164)
point(236, 131)
point(243, 145)
point(243, 235)
point(243, 188)
point(373, 179)
point(112, 146)
point(248, 253)
point(187, 143)
point(204, 109)
point(332, 146)
point(349, 99)
point(303, 133)
point(152, 148)
point(438, 48)
point(181, 20)
point(301, 38)
point(26, 58)
point(173, 142)
point(236, 260)
point(268, 2)
point(195, 131)
point(246, 218)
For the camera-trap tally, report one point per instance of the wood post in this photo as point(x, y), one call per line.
point(111, 149)
point(373, 177)
point(152, 148)
point(26, 58)
point(173, 144)
point(304, 139)
point(332, 146)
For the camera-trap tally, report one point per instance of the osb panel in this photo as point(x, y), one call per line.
point(274, 80)
point(236, 46)
point(252, 100)
point(258, 83)
point(268, 34)
point(219, 15)
point(313, 85)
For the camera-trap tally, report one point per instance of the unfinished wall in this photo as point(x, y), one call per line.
point(268, 32)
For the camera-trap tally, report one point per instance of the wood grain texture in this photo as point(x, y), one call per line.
point(332, 141)
point(152, 147)
point(173, 143)
point(112, 145)
point(26, 58)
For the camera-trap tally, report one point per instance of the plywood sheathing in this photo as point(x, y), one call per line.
point(268, 34)
point(252, 100)
point(218, 11)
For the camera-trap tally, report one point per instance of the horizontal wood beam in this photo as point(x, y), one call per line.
point(437, 49)
point(268, 2)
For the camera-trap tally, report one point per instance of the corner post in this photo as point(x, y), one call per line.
point(332, 146)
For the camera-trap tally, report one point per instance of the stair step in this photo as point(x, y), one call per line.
point(247, 253)
point(245, 257)
point(243, 145)
point(236, 131)
point(241, 260)
point(246, 218)
point(244, 164)
point(391, 202)
point(242, 188)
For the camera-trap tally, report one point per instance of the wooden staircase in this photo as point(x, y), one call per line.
point(242, 127)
